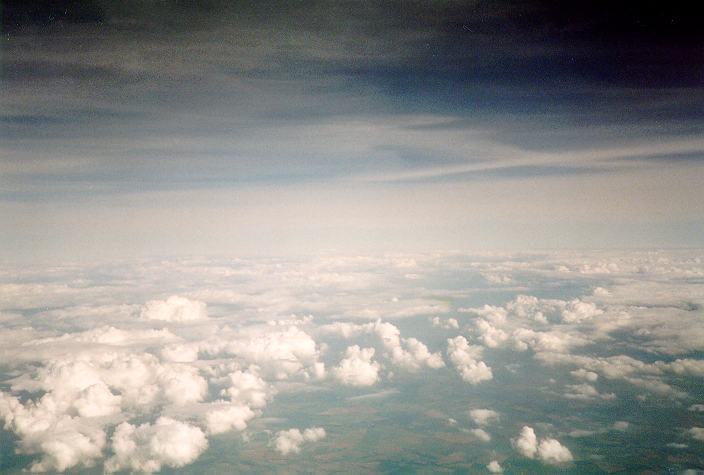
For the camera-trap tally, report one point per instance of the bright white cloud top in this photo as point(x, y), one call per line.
point(174, 309)
point(290, 441)
point(149, 447)
point(465, 358)
point(346, 359)
point(358, 368)
point(548, 450)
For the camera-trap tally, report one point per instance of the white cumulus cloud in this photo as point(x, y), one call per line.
point(548, 450)
point(483, 417)
point(465, 358)
point(408, 353)
point(62, 441)
point(553, 452)
point(449, 324)
point(248, 388)
point(481, 434)
point(697, 433)
point(494, 467)
point(585, 375)
point(526, 443)
point(225, 419)
point(279, 354)
point(290, 441)
point(175, 309)
point(149, 447)
point(357, 368)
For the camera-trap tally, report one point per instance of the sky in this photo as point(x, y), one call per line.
point(145, 128)
point(351, 237)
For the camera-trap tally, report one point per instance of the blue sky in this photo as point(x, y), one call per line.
point(262, 128)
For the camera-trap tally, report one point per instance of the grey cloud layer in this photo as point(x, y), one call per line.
point(156, 96)
point(186, 129)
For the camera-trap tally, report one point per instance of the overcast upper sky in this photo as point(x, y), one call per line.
point(153, 128)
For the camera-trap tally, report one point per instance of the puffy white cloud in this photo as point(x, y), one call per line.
point(290, 441)
point(140, 378)
point(149, 447)
point(697, 433)
point(598, 268)
point(81, 363)
point(62, 449)
point(528, 322)
point(180, 352)
point(489, 334)
point(388, 333)
point(87, 391)
point(408, 353)
point(415, 355)
point(533, 308)
point(36, 347)
point(685, 366)
point(576, 311)
point(357, 368)
point(280, 354)
point(483, 417)
point(497, 278)
point(96, 401)
point(548, 450)
point(175, 309)
point(449, 324)
point(550, 341)
point(584, 375)
point(248, 388)
point(62, 441)
point(481, 434)
point(465, 358)
point(553, 452)
point(495, 315)
point(181, 384)
point(601, 292)
point(636, 372)
point(585, 392)
point(231, 417)
point(67, 379)
point(494, 467)
point(82, 384)
point(345, 329)
point(658, 306)
point(697, 408)
point(526, 443)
